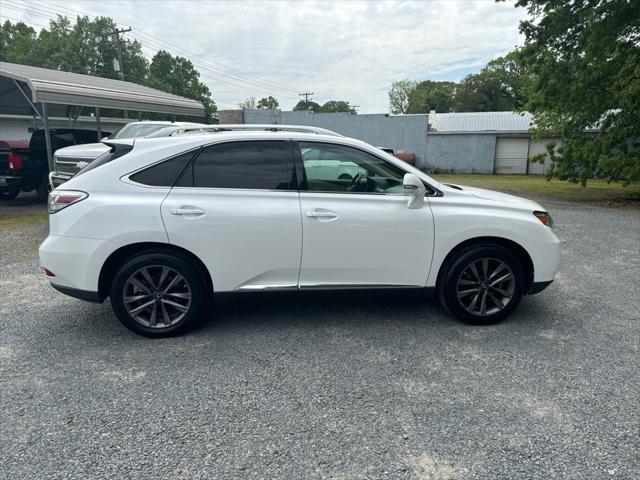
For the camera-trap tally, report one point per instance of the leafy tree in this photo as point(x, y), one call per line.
point(399, 96)
point(333, 106)
point(500, 86)
point(177, 75)
point(248, 103)
point(17, 43)
point(268, 103)
point(430, 95)
point(303, 106)
point(584, 62)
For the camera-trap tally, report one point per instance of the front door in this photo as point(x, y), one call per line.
point(237, 208)
point(357, 229)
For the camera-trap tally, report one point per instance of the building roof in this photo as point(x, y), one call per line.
point(61, 89)
point(468, 122)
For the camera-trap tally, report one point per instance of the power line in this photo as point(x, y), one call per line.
point(252, 81)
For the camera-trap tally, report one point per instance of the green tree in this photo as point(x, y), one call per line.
point(502, 85)
point(268, 103)
point(248, 103)
point(18, 43)
point(584, 63)
point(177, 75)
point(333, 106)
point(399, 96)
point(303, 106)
point(430, 95)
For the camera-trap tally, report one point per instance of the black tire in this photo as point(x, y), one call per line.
point(43, 190)
point(345, 176)
point(10, 194)
point(455, 272)
point(194, 283)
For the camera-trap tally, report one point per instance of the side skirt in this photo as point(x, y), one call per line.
point(325, 292)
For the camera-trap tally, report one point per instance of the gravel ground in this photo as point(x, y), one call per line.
point(345, 389)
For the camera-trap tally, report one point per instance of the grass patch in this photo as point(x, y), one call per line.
point(595, 191)
point(14, 220)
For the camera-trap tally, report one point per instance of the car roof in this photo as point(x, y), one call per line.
point(167, 123)
point(195, 139)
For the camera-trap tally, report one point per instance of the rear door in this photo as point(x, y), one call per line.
point(237, 208)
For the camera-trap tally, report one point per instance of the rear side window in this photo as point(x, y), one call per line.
point(249, 165)
point(163, 174)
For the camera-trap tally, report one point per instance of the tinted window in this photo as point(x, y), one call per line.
point(61, 140)
point(251, 164)
point(338, 168)
point(163, 174)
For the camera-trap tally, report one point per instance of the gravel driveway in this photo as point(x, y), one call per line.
point(344, 389)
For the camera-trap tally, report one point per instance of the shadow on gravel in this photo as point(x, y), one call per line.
point(361, 316)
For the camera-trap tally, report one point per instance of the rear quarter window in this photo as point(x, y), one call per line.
point(165, 173)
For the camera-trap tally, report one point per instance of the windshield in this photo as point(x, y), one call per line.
point(136, 130)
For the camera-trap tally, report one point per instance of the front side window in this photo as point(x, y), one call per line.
point(264, 165)
point(338, 168)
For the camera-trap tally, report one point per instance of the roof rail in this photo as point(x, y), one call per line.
point(258, 128)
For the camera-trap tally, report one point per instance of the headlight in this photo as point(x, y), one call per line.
point(545, 218)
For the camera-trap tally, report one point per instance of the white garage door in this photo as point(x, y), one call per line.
point(511, 155)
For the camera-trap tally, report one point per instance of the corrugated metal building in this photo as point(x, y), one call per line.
point(474, 142)
point(484, 142)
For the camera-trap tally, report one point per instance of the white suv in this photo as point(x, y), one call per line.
point(162, 225)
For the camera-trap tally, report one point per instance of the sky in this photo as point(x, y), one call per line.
point(339, 50)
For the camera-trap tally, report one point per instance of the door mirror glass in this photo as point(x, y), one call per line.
point(414, 187)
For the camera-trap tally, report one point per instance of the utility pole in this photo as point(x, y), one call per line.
point(117, 33)
point(120, 69)
point(306, 98)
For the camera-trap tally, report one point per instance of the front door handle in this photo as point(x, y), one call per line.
point(322, 215)
point(187, 211)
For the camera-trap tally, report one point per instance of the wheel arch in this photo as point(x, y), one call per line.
point(123, 254)
point(518, 250)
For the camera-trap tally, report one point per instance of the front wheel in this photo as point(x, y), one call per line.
point(158, 295)
point(482, 284)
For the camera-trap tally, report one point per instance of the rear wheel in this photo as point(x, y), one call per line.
point(43, 189)
point(482, 284)
point(158, 295)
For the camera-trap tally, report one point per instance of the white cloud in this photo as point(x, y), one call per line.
point(347, 50)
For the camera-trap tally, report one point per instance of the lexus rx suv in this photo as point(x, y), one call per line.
point(162, 225)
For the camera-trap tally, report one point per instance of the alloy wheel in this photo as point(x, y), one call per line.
point(157, 296)
point(485, 286)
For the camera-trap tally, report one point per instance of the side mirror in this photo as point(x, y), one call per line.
point(416, 190)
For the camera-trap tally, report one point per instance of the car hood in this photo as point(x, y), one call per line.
point(499, 197)
point(87, 150)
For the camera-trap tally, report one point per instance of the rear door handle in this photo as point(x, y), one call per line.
point(186, 211)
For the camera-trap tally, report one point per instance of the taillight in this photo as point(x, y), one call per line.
point(15, 161)
point(59, 199)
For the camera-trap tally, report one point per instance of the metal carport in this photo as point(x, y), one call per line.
point(26, 90)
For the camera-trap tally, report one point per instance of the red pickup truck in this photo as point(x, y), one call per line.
point(24, 166)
